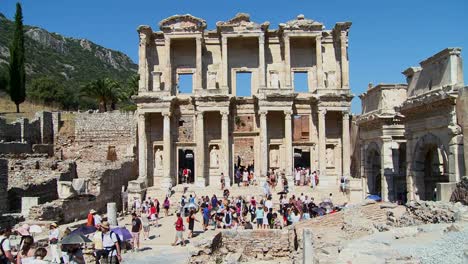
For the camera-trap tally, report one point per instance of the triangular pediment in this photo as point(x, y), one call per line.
point(241, 23)
point(182, 23)
point(303, 24)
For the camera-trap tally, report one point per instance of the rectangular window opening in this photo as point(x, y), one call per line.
point(243, 84)
point(185, 83)
point(301, 84)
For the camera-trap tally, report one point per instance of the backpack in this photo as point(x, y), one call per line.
point(228, 218)
point(119, 241)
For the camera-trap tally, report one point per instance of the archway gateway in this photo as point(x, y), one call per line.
point(374, 172)
point(430, 166)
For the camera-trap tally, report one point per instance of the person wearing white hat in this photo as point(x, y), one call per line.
point(54, 235)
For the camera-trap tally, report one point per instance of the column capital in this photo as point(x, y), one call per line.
point(288, 113)
point(345, 115)
point(263, 112)
point(322, 111)
point(166, 113)
point(224, 113)
point(141, 116)
point(261, 39)
point(199, 114)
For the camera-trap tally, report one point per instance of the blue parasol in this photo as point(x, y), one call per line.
point(85, 230)
point(123, 233)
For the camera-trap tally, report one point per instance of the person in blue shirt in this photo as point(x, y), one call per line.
point(206, 217)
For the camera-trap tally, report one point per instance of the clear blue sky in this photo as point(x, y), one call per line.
point(386, 36)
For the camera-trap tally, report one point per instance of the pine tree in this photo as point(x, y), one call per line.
point(17, 71)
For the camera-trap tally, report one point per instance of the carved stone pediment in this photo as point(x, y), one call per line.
point(302, 23)
point(241, 23)
point(182, 23)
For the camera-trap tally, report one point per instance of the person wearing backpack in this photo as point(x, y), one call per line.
point(5, 248)
point(111, 244)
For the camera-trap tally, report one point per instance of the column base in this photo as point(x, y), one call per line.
point(200, 182)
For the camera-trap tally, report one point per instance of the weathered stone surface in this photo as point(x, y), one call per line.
point(460, 194)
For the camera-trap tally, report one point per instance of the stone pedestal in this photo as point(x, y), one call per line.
point(136, 189)
point(112, 214)
point(65, 190)
point(445, 190)
point(27, 203)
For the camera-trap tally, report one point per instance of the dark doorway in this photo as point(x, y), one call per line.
point(186, 170)
point(301, 158)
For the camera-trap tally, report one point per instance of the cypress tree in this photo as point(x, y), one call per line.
point(17, 71)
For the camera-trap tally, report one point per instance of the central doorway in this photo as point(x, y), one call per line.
point(186, 168)
point(301, 158)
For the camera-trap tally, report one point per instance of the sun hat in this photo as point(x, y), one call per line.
point(54, 225)
point(23, 230)
point(92, 211)
point(105, 225)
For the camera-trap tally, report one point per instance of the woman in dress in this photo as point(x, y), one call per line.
point(26, 254)
point(166, 205)
point(191, 222)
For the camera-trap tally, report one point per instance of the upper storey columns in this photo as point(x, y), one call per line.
point(318, 57)
point(168, 63)
point(261, 56)
point(341, 31)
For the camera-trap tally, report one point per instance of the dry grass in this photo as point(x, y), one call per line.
point(28, 109)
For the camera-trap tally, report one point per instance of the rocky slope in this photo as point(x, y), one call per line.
point(75, 61)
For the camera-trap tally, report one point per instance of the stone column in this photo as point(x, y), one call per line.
point(288, 144)
point(200, 155)
point(344, 61)
point(225, 146)
point(112, 214)
point(287, 61)
point(225, 68)
point(166, 181)
point(318, 54)
point(308, 249)
point(198, 73)
point(322, 142)
point(168, 84)
point(346, 145)
point(362, 171)
point(264, 143)
point(261, 63)
point(387, 169)
point(143, 63)
point(142, 150)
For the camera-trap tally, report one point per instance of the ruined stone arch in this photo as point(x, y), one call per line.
point(430, 166)
point(373, 168)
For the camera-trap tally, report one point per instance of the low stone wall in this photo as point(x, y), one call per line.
point(15, 148)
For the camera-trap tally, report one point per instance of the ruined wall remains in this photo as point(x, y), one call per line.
point(104, 127)
point(3, 185)
point(105, 186)
point(246, 246)
point(36, 177)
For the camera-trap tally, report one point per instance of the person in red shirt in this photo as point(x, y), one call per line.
point(90, 221)
point(179, 226)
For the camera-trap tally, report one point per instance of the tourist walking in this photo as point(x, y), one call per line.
point(54, 235)
point(110, 242)
point(136, 229)
point(259, 215)
point(191, 222)
point(166, 205)
point(146, 226)
point(179, 226)
point(39, 256)
point(5, 246)
point(223, 181)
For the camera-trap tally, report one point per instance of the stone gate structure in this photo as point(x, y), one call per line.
point(208, 125)
point(411, 138)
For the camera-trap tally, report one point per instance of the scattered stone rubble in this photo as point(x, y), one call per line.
point(460, 194)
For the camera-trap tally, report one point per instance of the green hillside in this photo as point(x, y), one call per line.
point(71, 62)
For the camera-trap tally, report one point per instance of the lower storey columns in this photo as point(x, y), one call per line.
point(225, 146)
point(288, 144)
point(264, 143)
point(142, 150)
point(200, 155)
point(346, 145)
point(167, 175)
point(322, 142)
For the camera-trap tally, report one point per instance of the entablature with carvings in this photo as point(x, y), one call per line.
point(442, 97)
point(241, 23)
point(182, 23)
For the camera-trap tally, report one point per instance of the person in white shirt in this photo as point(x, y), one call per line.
point(269, 203)
point(97, 219)
point(5, 246)
point(54, 235)
point(110, 243)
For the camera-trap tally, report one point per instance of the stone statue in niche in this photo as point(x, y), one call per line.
point(214, 157)
point(274, 79)
point(211, 83)
point(158, 159)
point(330, 157)
point(274, 157)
